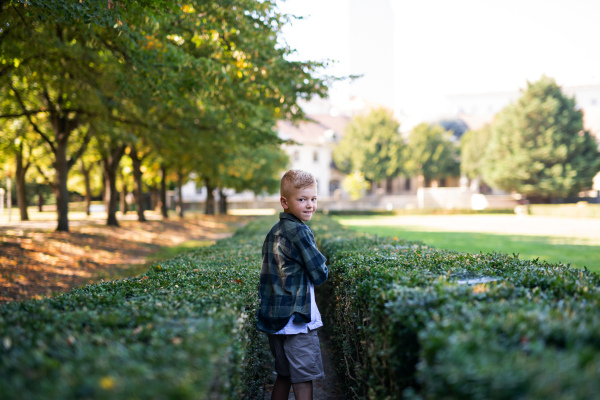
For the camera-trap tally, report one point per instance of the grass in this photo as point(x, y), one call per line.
point(567, 250)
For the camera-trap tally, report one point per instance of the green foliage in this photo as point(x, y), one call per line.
point(371, 145)
point(195, 80)
point(472, 150)
point(185, 329)
point(538, 146)
point(356, 185)
point(411, 321)
point(258, 170)
point(431, 153)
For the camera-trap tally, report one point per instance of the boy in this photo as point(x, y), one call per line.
point(291, 266)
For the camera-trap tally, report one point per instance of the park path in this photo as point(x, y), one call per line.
point(326, 389)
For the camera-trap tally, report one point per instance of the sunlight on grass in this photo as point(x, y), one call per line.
point(577, 251)
point(164, 253)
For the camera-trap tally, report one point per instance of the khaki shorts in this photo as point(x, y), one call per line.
point(297, 356)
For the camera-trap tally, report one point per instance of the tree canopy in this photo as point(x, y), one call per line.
point(196, 80)
point(432, 153)
point(372, 145)
point(472, 151)
point(538, 146)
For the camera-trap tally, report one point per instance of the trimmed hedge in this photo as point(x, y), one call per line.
point(408, 321)
point(417, 322)
point(183, 330)
point(581, 210)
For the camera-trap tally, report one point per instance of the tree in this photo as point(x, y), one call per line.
point(538, 146)
point(431, 153)
point(197, 71)
point(256, 169)
point(16, 142)
point(472, 150)
point(54, 85)
point(355, 184)
point(372, 145)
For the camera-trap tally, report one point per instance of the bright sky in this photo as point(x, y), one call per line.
point(414, 53)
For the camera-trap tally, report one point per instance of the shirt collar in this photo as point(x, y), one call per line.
point(291, 217)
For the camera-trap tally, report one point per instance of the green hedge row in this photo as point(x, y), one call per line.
point(183, 330)
point(409, 321)
point(412, 321)
point(581, 210)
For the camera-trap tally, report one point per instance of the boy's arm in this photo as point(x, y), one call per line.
point(313, 259)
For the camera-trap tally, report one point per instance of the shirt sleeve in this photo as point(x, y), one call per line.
point(314, 261)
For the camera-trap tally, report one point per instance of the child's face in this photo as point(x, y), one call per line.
point(301, 203)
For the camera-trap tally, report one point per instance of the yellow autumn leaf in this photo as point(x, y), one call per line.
point(107, 383)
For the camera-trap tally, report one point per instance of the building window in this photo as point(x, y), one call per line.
point(315, 156)
point(594, 102)
point(407, 184)
point(296, 155)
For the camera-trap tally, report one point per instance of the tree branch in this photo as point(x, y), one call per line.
point(35, 127)
point(48, 181)
point(23, 114)
point(79, 153)
point(22, 19)
point(9, 67)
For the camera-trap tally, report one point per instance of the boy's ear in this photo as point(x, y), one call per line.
point(284, 203)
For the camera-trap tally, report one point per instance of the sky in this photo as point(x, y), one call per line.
point(413, 54)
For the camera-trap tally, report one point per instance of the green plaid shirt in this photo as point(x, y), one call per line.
point(290, 260)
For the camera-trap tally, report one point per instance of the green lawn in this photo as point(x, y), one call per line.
point(567, 250)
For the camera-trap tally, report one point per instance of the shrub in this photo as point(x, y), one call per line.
point(418, 322)
point(185, 330)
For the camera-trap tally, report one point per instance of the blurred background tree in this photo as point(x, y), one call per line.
point(356, 185)
point(372, 145)
point(432, 153)
point(538, 146)
point(472, 151)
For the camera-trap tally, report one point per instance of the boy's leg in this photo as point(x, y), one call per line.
point(303, 390)
point(283, 383)
point(281, 388)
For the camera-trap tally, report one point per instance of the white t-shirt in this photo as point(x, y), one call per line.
point(315, 319)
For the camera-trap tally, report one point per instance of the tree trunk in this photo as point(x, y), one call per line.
point(139, 190)
point(123, 195)
point(40, 202)
point(222, 202)
point(60, 185)
point(180, 195)
point(21, 190)
point(88, 187)
point(210, 198)
point(153, 197)
point(389, 185)
point(104, 193)
point(163, 192)
point(111, 164)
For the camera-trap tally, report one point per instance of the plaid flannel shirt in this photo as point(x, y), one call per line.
point(290, 260)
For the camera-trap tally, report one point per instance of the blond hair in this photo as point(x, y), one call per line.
point(296, 179)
